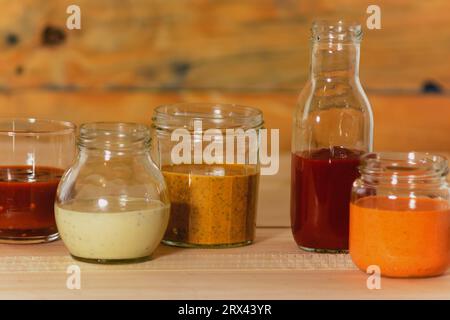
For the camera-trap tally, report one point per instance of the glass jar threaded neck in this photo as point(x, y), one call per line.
point(114, 136)
point(404, 170)
point(219, 116)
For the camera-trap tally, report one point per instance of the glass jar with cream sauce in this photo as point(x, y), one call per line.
point(112, 205)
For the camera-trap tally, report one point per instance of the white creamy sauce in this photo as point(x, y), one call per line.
point(112, 229)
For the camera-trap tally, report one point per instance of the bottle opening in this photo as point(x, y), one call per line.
point(339, 31)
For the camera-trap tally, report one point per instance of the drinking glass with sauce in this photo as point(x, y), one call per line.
point(35, 153)
point(332, 128)
point(213, 203)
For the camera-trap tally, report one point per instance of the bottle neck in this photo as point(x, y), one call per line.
point(335, 60)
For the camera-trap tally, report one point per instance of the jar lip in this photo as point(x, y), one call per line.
point(35, 127)
point(113, 135)
point(212, 115)
point(123, 128)
point(336, 31)
point(404, 165)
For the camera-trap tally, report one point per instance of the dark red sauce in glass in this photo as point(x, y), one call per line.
point(27, 200)
point(320, 196)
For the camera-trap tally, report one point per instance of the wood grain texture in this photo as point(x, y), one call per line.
point(271, 272)
point(201, 285)
point(402, 122)
point(229, 44)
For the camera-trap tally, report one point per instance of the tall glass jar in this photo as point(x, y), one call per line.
point(112, 205)
point(213, 180)
point(332, 128)
point(35, 153)
point(400, 215)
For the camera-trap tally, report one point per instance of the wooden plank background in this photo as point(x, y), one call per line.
point(133, 55)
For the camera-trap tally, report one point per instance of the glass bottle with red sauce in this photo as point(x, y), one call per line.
point(332, 128)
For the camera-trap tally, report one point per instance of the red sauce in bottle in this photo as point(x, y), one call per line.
point(320, 197)
point(27, 198)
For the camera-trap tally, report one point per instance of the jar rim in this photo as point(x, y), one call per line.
point(35, 127)
point(113, 135)
point(212, 115)
point(404, 165)
point(119, 127)
point(336, 31)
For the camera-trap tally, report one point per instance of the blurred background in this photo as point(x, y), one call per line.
point(133, 55)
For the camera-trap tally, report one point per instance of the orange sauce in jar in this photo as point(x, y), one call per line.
point(404, 237)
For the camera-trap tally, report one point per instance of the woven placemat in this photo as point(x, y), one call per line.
point(190, 261)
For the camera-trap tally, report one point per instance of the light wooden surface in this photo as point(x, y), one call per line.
point(272, 268)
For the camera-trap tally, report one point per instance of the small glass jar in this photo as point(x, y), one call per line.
point(332, 129)
point(400, 215)
point(112, 205)
point(213, 194)
point(35, 153)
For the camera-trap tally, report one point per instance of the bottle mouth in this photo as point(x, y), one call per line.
point(399, 167)
point(338, 31)
point(212, 115)
point(114, 136)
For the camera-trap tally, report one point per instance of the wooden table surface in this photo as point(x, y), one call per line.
point(272, 268)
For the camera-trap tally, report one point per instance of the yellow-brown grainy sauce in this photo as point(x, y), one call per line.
point(211, 205)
